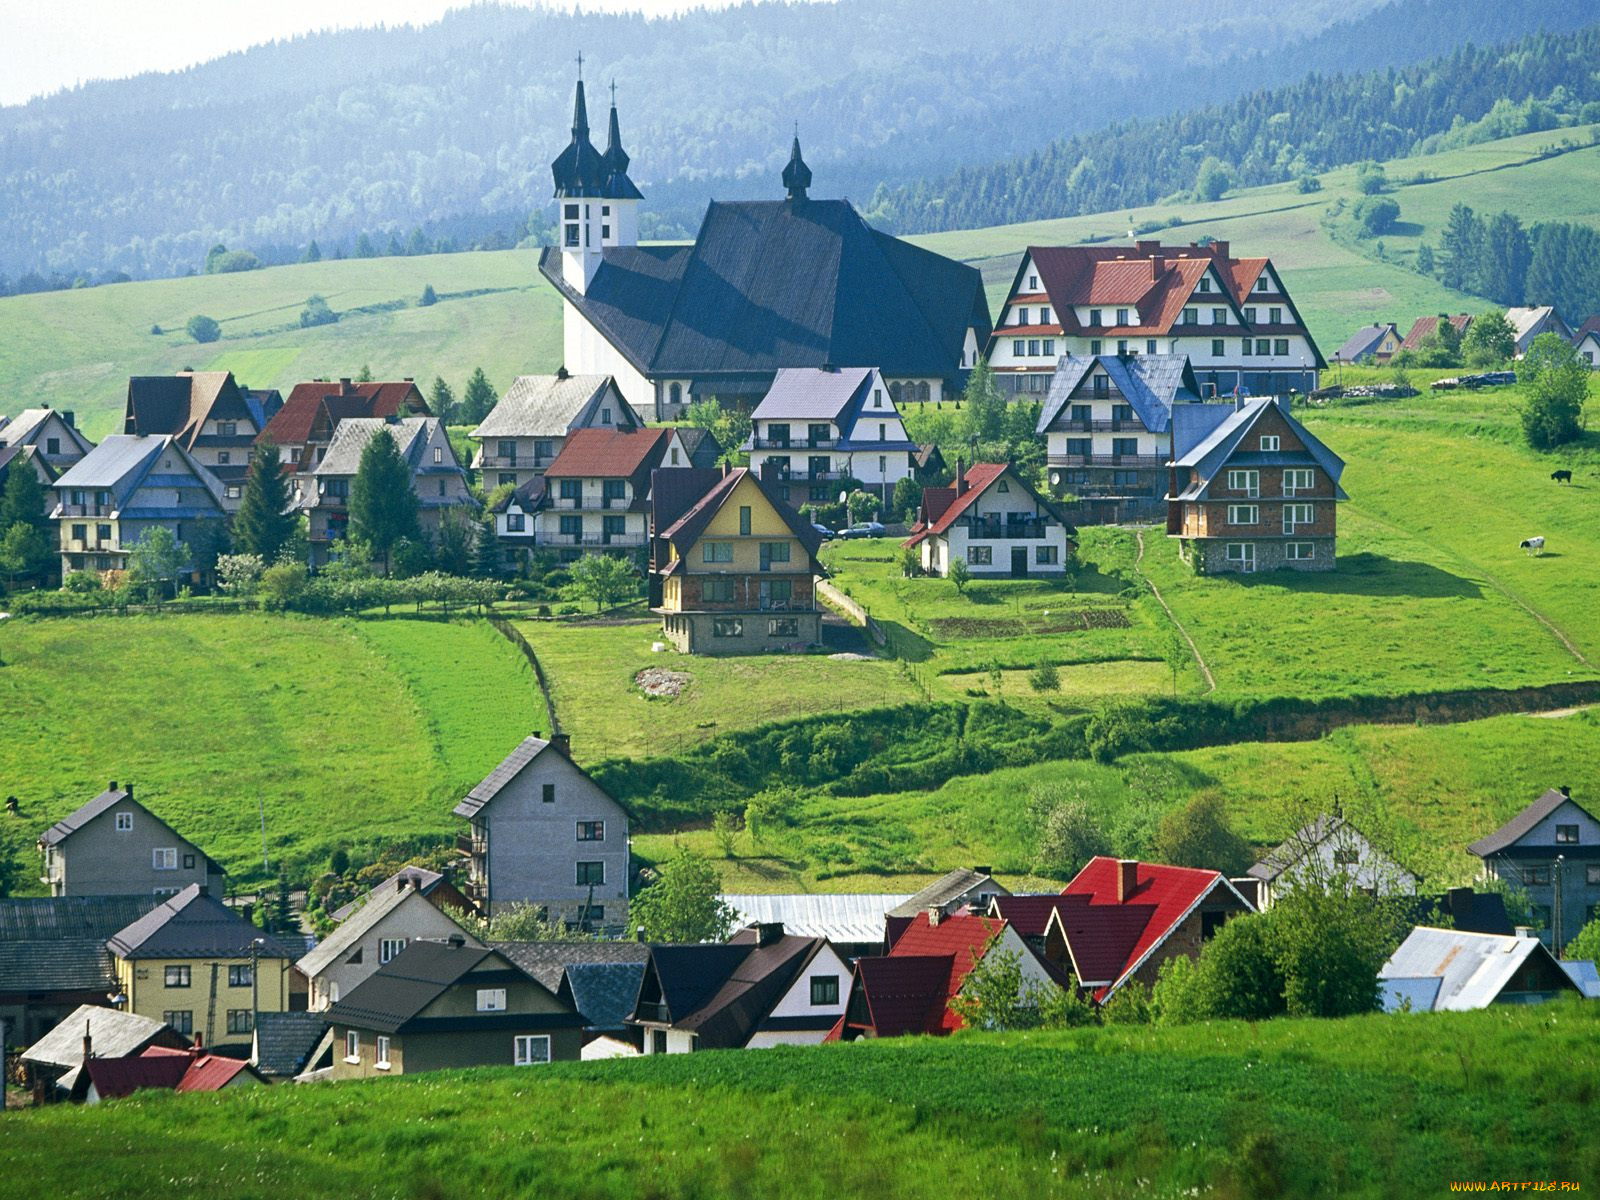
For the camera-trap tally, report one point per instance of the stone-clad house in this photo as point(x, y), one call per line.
point(1549, 849)
point(115, 846)
point(543, 833)
point(527, 429)
point(1252, 490)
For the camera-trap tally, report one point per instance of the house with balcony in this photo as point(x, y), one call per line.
point(302, 429)
point(993, 520)
point(436, 476)
point(209, 414)
point(125, 487)
point(1252, 489)
point(597, 491)
point(530, 425)
point(53, 434)
point(732, 566)
point(542, 832)
point(115, 846)
point(1232, 317)
point(1551, 851)
point(817, 426)
point(1107, 423)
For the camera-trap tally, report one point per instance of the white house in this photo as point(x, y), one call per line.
point(818, 425)
point(1586, 340)
point(992, 519)
point(527, 429)
point(1327, 848)
point(1529, 322)
point(597, 491)
point(53, 433)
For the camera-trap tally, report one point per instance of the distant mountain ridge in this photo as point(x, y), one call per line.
point(452, 126)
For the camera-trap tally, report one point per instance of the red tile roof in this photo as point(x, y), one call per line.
point(1425, 327)
point(944, 504)
point(114, 1078)
point(958, 943)
point(1028, 915)
point(609, 453)
point(211, 1073)
point(294, 421)
point(1592, 325)
point(1109, 938)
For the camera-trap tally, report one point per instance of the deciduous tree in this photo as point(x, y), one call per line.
point(1555, 384)
point(683, 903)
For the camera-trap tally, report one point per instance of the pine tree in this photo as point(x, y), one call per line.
point(366, 374)
point(478, 399)
point(263, 524)
point(442, 401)
point(1461, 246)
point(985, 408)
point(488, 562)
point(1507, 255)
point(383, 506)
point(23, 500)
point(1425, 259)
point(313, 252)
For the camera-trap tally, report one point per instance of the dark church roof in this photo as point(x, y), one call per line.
point(770, 284)
point(579, 170)
point(617, 186)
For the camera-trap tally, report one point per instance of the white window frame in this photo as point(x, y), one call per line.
point(1244, 514)
point(389, 948)
point(164, 858)
point(522, 1047)
point(1269, 443)
point(124, 822)
point(1292, 514)
point(1245, 558)
point(1300, 551)
point(492, 999)
point(1246, 481)
point(352, 1046)
point(382, 1061)
point(1299, 479)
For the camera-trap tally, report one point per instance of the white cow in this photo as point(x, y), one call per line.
point(1534, 545)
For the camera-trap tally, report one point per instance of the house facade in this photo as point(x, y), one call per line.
point(817, 426)
point(543, 833)
point(387, 920)
point(115, 846)
point(196, 965)
point(122, 489)
point(1424, 328)
point(1251, 489)
point(436, 476)
point(732, 566)
point(530, 425)
point(1379, 342)
point(208, 414)
point(1529, 322)
point(1586, 340)
point(1231, 317)
point(438, 1006)
point(798, 282)
point(53, 434)
point(1107, 424)
point(597, 491)
point(302, 429)
point(1551, 850)
point(1327, 849)
point(991, 519)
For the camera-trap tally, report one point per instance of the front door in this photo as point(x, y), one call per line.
point(1019, 562)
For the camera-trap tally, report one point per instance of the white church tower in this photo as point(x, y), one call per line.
point(597, 204)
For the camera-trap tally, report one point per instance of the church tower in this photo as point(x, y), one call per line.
point(619, 207)
point(580, 181)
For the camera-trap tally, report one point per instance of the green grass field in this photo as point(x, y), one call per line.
point(351, 733)
point(76, 349)
point(1232, 1110)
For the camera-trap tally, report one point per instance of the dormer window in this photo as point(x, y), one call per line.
point(1095, 317)
point(1122, 316)
point(1205, 284)
point(1269, 443)
point(1022, 316)
point(1003, 486)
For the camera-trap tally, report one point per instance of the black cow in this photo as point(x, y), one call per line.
point(1561, 476)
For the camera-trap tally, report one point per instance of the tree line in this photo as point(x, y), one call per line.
point(1553, 263)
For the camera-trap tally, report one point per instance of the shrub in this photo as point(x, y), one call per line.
point(1376, 215)
point(81, 582)
point(316, 312)
point(428, 296)
point(1371, 180)
point(282, 585)
point(1198, 835)
point(1307, 184)
point(1555, 384)
point(1045, 678)
point(203, 329)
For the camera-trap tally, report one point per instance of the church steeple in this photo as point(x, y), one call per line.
point(796, 176)
point(618, 186)
point(579, 170)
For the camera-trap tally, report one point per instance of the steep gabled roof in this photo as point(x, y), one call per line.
point(508, 769)
point(687, 528)
point(703, 448)
point(1524, 822)
point(351, 436)
point(194, 924)
point(1363, 341)
point(549, 406)
point(1425, 327)
point(812, 393)
point(771, 284)
point(946, 888)
point(1220, 447)
point(25, 428)
point(1152, 384)
point(689, 975)
point(612, 454)
point(1028, 915)
point(746, 993)
point(285, 1041)
point(122, 463)
point(420, 879)
point(960, 942)
point(181, 404)
point(378, 904)
point(604, 993)
point(945, 505)
point(293, 423)
point(904, 993)
point(81, 816)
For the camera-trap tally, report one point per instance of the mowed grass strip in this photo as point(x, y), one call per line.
point(346, 732)
point(1276, 1108)
point(592, 668)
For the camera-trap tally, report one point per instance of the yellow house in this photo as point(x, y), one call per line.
point(732, 566)
point(197, 965)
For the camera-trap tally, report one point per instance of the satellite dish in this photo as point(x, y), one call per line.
point(1055, 478)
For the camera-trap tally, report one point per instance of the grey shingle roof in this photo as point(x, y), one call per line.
point(74, 821)
point(122, 462)
point(420, 878)
point(194, 924)
point(1520, 825)
point(809, 393)
point(379, 903)
point(772, 284)
point(509, 768)
point(1218, 447)
point(353, 434)
point(703, 448)
point(112, 1034)
point(59, 944)
point(1153, 384)
point(945, 889)
point(23, 428)
point(547, 406)
point(1361, 342)
point(285, 1041)
point(547, 961)
point(604, 993)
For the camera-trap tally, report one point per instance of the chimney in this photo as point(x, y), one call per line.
point(1145, 249)
point(129, 790)
point(401, 883)
point(768, 932)
point(961, 476)
point(1127, 878)
point(1524, 931)
point(1219, 248)
point(1158, 267)
point(199, 1043)
point(409, 379)
point(563, 744)
point(561, 372)
point(70, 417)
point(983, 870)
point(1458, 901)
point(455, 941)
point(88, 1042)
point(727, 468)
point(935, 915)
point(638, 934)
point(247, 913)
point(112, 786)
point(344, 386)
point(1566, 791)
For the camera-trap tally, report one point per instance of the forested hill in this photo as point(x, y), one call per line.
point(450, 127)
point(1544, 81)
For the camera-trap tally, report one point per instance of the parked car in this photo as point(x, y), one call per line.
point(824, 532)
point(867, 529)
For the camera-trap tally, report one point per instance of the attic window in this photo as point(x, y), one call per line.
point(389, 947)
point(877, 397)
point(1567, 834)
point(1122, 316)
point(605, 416)
point(1004, 486)
point(1033, 283)
point(124, 822)
point(1205, 284)
point(1269, 442)
point(1261, 284)
point(491, 999)
point(548, 793)
point(438, 454)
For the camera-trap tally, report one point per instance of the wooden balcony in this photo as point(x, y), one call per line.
point(1125, 461)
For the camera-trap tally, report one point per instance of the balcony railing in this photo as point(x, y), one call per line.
point(785, 476)
point(1115, 425)
point(618, 540)
point(590, 503)
point(1107, 460)
point(469, 845)
point(85, 510)
point(1009, 530)
point(767, 443)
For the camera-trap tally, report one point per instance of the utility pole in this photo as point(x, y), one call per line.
point(1555, 914)
point(261, 802)
point(255, 984)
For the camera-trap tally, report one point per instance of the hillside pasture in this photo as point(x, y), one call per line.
point(345, 732)
point(1232, 1109)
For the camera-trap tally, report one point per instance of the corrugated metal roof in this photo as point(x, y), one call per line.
point(113, 461)
point(1409, 995)
point(947, 888)
point(1473, 968)
point(839, 917)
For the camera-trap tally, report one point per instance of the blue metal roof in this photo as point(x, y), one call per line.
point(1153, 385)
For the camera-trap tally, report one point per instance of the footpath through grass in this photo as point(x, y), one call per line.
point(1280, 1108)
point(348, 732)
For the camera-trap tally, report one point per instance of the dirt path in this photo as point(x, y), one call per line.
point(1211, 683)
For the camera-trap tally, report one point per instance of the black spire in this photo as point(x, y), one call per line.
point(796, 176)
point(618, 185)
point(579, 170)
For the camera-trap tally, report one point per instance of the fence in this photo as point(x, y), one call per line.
point(886, 637)
point(515, 636)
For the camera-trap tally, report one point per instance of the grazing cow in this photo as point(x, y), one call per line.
point(1534, 545)
point(1561, 476)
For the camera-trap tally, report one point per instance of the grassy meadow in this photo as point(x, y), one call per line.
point(1233, 1110)
point(75, 349)
point(349, 732)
